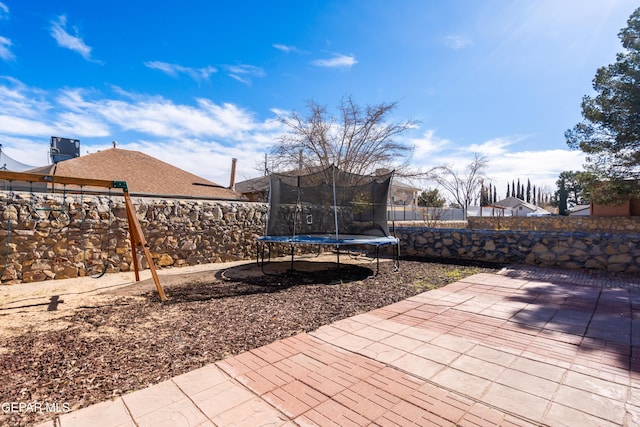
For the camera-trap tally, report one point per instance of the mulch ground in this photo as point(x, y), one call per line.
point(102, 351)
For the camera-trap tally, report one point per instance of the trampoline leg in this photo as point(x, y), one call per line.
point(292, 250)
point(377, 260)
point(338, 255)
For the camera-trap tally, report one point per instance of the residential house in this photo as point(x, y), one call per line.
point(145, 175)
point(518, 207)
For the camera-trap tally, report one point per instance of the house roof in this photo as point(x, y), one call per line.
point(145, 175)
point(514, 202)
point(254, 185)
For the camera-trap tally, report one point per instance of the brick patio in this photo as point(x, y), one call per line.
point(524, 347)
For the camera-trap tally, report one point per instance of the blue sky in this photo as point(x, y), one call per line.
point(196, 83)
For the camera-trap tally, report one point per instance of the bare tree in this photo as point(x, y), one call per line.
point(463, 186)
point(357, 140)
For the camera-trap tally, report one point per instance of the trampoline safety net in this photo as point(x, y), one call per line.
point(330, 203)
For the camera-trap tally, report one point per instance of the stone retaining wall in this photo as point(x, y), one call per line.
point(617, 224)
point(604, 251)
point(44, 237)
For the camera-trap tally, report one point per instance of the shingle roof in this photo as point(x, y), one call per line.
point(145, 175)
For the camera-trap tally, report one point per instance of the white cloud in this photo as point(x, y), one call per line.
point(26, 127)
point(542, 168)
point(289, 49)
point(457, 42)
point(197, 74)
point(68, 41)
point(426, 145)
point(337, 61)
point(200, 138)
point(5, 43)
point(5, 52)
point(492, 147)
point(244, 73)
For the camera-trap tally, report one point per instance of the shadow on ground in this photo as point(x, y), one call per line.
point(594, 310)
point(249, 279)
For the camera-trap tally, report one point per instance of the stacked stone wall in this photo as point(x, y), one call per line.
point(47, 236)
point(617, 252)
point(593, 224)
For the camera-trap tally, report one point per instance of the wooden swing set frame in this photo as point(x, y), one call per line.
point(135, 230)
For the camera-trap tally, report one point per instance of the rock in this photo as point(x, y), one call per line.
point(165, 260)
point(65, 272)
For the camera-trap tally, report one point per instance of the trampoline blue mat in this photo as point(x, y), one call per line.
point(327, 239)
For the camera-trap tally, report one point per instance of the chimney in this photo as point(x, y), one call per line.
point(232, 181)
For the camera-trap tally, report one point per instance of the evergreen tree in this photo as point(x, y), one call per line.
point(495, 194)
point(508, 190)
point(484, 200)
point(533, 196)
point(610, 131)
point(431, 198)
point(561, 196)
point(528, 191)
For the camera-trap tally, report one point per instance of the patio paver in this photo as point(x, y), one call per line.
point(523, 347)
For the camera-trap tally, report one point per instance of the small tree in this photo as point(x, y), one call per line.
point(357, 139)
point(431, 198)
point(462, 186)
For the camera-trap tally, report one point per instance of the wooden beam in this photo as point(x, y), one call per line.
point(55, 179)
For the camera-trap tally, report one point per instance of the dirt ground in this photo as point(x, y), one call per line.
point(82, 341)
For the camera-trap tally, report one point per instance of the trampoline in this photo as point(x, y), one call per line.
point(328, 208)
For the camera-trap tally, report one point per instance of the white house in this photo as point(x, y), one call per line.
point(518, 207)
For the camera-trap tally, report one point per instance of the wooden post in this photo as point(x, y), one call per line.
point(137, 239)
